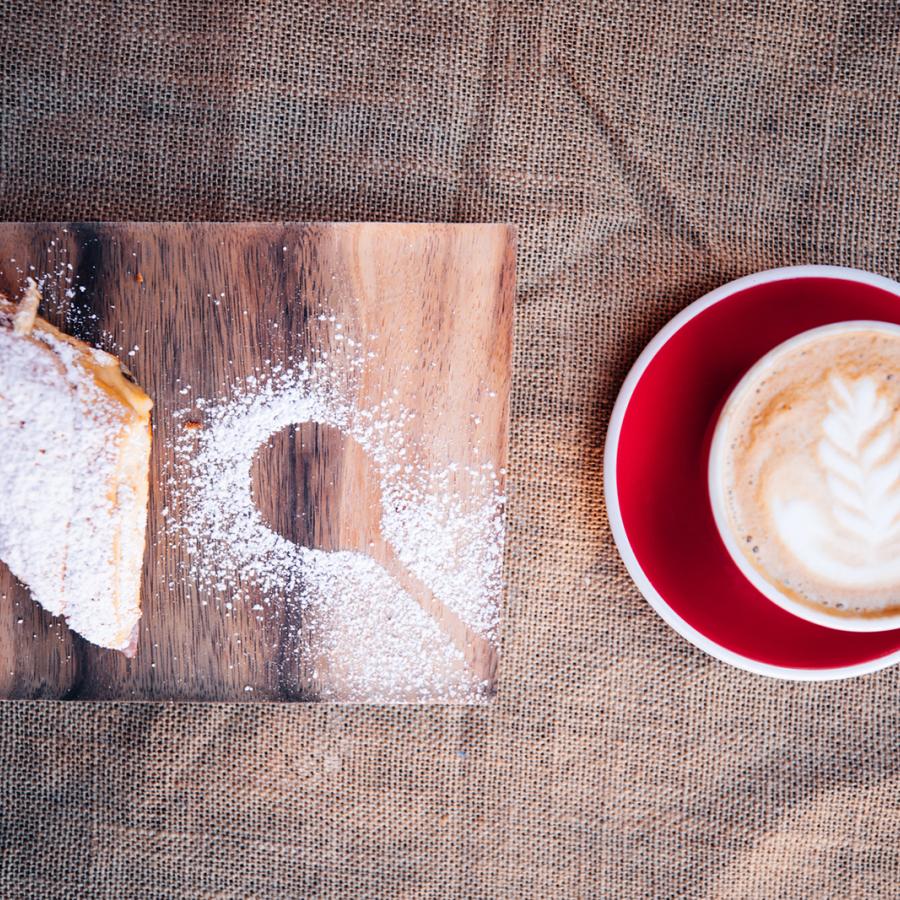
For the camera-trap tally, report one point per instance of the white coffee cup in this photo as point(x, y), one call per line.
point(781, 583)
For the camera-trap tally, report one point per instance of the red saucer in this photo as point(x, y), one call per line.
point(656, 470)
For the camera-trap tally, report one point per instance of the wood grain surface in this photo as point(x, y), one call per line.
point(202, 306)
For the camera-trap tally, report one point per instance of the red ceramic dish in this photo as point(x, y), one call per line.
point(656, 458)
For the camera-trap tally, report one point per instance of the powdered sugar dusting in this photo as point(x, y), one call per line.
point(62, 295)
point(62, 515)
point(367, 637)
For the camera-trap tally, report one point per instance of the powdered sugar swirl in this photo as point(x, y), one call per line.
point(373, 640)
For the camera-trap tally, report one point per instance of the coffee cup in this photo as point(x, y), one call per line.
point(804, 475)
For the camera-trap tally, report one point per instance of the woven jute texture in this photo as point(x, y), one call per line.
point(648, 152)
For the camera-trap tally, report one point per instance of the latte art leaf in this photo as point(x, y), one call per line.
point(809, 450)
point(859, 454)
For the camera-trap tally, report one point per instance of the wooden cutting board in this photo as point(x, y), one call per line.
point(193, 310)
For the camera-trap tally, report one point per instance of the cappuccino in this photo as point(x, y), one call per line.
point(805, 475)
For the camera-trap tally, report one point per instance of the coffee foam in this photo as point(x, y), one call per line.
point(811, 475)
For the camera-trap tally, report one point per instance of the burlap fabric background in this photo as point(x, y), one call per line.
point(648, 151)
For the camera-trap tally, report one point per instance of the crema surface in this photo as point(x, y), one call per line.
point(811, 476)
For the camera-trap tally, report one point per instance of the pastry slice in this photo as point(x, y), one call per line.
point(74, 464)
